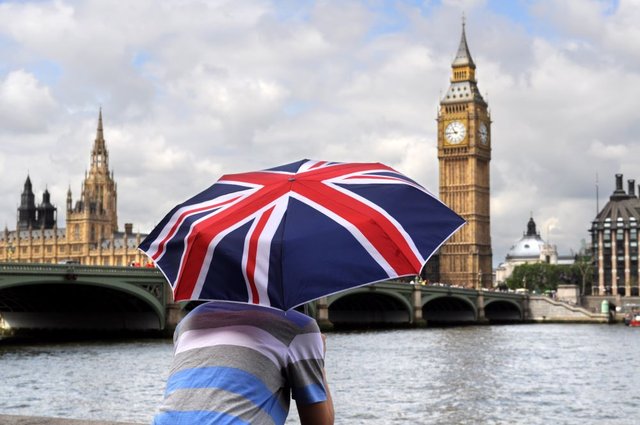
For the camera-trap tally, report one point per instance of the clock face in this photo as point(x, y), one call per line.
point(484, 133)
point(455, 132)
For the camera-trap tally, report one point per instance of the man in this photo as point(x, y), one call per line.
point(239, 364)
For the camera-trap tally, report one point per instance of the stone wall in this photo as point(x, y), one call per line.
point(544, 309)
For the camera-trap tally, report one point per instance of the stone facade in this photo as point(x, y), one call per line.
point(464, 153)
point(614, 239)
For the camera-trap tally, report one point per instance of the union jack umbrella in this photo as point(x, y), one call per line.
point(288, 235)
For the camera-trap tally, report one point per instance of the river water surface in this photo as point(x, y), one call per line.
point(520, 374)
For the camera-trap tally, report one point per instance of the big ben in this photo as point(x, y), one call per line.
point(464, 153)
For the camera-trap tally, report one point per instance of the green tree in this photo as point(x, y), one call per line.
point(538, 277)
point(582, 270)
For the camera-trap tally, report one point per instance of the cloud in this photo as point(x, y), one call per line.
point(25, 104)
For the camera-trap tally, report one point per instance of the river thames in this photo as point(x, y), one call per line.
point(519, 374)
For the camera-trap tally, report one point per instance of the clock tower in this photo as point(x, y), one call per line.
point(464, 153)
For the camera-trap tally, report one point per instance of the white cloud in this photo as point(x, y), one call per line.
point(25, 104)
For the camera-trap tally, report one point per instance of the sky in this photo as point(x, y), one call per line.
point(191, 90)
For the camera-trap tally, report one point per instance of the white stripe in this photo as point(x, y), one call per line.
point(306, 346)
point(153, 247)
point(373, 252)
point(206, 264)
point(241, 335)
point(261, 275)
point(307, 166)
point(362, 177)
point(261, 272)
point(382, 211)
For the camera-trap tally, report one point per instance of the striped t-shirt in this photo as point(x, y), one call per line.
point(239, 364)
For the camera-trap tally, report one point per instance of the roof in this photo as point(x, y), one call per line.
point(463, 91)
point(530, 245)
point(622, 210)
point(463, 56)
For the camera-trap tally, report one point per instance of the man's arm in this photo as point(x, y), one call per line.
point(318, 413)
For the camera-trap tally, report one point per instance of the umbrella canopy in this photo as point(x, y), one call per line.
point(291, 234)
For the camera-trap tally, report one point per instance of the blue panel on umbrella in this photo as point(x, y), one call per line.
point(425, 218)
point(225, 280)
point(321, 257)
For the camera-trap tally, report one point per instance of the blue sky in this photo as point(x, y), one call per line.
point(192, 89)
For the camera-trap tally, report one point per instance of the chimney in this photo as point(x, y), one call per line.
point(632, 188)
point(128, 228)
point(618, 182)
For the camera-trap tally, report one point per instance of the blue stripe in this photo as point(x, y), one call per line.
point(196, 417)
point(232, 380)
point(314, 393)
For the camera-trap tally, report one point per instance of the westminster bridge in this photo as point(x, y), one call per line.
point(74, 297)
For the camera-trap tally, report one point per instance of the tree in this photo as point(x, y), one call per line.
point(582, 270)
point(538, 277)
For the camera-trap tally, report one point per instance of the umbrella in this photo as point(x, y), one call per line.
point(291, 234)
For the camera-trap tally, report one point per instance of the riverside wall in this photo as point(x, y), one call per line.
point(544, 309)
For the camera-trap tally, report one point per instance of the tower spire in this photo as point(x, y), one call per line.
point(463, 56)
point(100, 134)
point(99, 154)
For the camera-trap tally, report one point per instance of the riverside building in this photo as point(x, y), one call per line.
point(614, 239)
point(91, 235)
point(530, 249)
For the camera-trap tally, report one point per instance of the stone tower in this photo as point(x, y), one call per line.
point(464, 153)
point(27, 209)
point(94, 217)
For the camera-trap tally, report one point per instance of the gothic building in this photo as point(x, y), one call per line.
point(30, 216)
point(614, 239)
point(91, 235)
point(464, 153)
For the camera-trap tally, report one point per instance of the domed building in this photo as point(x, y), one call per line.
point(614, 238)
point(531, 248)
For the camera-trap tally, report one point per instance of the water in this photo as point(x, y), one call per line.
point(521, 374)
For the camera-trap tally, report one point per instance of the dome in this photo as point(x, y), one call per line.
point(529, 246)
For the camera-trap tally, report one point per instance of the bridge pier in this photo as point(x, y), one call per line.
point(322, 314)
point(480, 306)
point(418, 320)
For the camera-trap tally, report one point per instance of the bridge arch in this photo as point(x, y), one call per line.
point(78, 303)
point(364, 306)
point(503, 311)
point(449, 310)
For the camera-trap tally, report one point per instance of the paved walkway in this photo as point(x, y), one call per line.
point(35, 420)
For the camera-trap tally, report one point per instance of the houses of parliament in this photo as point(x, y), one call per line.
point(91, 235)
